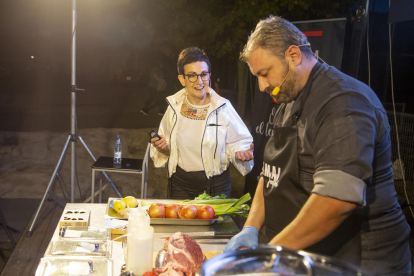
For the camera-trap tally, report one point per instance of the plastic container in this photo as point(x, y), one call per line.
point(84, 233)
point(79, 248)
point(59, 266)
point(118, 150)
point(140, 242)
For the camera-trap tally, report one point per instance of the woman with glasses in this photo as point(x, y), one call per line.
point(201, 134)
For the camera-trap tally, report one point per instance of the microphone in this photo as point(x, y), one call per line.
point(276, 90)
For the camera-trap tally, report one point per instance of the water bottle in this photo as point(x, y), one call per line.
point(118, 150)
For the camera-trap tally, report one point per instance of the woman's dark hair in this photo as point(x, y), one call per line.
point(191, 55)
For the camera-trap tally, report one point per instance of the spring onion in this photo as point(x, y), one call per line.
point(230, 206)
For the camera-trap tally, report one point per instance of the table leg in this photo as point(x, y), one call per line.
point(93, 187)
point(145, 189)
point(144, 182)
point(142, 185)
point(100, 190)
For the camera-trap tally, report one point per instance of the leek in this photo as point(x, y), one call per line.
point(231, 206)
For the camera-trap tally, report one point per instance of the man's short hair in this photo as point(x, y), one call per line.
point(276, 35)
point(191, 55)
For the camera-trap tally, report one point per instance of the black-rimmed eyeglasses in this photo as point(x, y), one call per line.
point(193, 77)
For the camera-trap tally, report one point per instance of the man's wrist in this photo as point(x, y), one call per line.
point(251, 226)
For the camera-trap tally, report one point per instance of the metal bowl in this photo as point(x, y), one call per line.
point(275, 260)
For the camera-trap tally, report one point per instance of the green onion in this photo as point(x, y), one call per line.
point(205, 196)
point(208, 202)
point(231, 206)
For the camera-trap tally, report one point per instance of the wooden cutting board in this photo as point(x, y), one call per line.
point(210, 254)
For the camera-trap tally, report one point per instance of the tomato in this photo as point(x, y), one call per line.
point(150, 273)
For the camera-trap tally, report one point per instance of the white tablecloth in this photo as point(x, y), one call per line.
point(97, 219)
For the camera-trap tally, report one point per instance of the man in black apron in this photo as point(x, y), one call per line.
point(326, 185)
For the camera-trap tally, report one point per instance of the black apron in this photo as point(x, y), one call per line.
point(284, 194)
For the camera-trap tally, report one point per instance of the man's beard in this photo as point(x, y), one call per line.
point(288, 91)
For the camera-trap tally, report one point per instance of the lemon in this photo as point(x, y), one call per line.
point(119, 205)
point(130, 201)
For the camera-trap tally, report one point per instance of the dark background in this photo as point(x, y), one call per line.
point(118, 42)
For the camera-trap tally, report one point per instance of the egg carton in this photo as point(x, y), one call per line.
point(76, 218)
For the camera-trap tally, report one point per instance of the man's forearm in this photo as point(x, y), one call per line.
point(257, 211)
point(316, 220)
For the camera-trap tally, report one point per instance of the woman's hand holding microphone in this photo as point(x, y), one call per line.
point(161, 145)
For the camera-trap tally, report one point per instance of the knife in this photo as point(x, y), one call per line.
point(212, 241)
point(225, 236)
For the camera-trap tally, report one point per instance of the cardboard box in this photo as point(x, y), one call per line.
point(116, 233)
point(123, 231)
point(77, 218)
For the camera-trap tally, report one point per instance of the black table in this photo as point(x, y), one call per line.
point(128, 165)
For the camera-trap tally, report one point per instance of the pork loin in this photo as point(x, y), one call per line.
point(183, 256)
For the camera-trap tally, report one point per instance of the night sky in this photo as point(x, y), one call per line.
point(117, 39)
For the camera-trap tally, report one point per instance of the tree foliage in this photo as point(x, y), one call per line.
point(223, 26)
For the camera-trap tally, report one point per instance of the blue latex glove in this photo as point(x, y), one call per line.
point(248, 236)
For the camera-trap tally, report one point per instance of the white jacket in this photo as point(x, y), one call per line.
point(224, 135)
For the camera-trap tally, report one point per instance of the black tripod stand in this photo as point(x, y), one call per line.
point(72, 139)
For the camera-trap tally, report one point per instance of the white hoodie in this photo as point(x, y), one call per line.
point(224, 135)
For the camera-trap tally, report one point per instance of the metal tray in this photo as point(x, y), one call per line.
point(111, 213)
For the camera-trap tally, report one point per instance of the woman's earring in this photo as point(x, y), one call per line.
point(209, 85)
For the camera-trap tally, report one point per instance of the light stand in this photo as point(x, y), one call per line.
point(358, 33)
point(72, 139)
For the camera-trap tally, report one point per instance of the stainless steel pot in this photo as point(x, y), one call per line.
point(266, 260)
